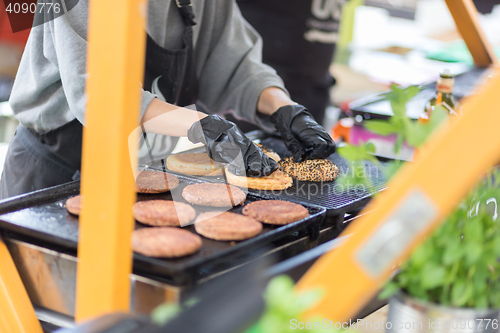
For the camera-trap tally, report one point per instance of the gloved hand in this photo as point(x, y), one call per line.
point(226, 143)
point(302, 135)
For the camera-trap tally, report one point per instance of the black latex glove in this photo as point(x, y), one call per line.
point(226, 143)
point(302, 135)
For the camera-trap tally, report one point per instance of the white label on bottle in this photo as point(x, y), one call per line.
point(410, 218)
point(444, 85)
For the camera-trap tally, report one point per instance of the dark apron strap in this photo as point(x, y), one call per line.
point(172, 72)
point(186, 9)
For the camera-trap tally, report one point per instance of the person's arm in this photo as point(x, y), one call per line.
point(271, 99)
point(168, 119)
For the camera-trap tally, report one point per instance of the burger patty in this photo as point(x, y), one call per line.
point(275, 211)
point(226, 226)
point(213, 195)
point(155, 182)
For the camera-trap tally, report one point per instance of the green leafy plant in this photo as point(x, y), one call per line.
point(399, 123)
point(357, 156)
point(458, 264)
point(409, 131)
point(165, 312)
point(283, 303)
point(406, 130)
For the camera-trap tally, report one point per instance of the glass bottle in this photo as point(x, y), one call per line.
point(444, 87)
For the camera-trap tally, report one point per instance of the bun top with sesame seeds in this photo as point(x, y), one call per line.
point(320, 170)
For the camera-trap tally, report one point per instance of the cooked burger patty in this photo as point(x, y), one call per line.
point(163, 213)
point(155, 182)
point(165, 242)
point(74, 205)
point(226, 226)
point(213, 195)
point(275, 211)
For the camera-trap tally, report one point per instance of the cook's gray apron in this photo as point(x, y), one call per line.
point(39, 160)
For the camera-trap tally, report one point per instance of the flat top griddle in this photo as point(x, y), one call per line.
point(42, 215)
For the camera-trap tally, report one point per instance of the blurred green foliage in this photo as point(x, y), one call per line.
point(458, 264)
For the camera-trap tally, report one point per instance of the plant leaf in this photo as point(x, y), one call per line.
point(165, 312)
point(361, 152)
point(390, 168)
point(453, 252)
point(457, 292)
point(399, 143)
point(432, 275)
point(389, 290)
point(307, 299)
point(398, 97)
point(381, 127)
point(351, 153)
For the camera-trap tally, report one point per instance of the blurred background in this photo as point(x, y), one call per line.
point(379, 42)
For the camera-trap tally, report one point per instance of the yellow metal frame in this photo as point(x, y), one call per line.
point(472, 143)
point(16, 312)
point(466, 19)
point(115, 66)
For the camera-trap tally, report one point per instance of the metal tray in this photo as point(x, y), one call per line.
point(42, 216)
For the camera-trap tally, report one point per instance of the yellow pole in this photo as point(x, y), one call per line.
point(465, 14)
point(16, 312)
point(115, 66)
point(418, 198)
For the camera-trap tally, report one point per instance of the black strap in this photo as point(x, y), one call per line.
point(186, 10)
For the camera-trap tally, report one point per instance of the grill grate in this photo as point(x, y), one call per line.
point(330, 195)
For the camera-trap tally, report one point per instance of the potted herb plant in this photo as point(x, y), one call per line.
point(451, 283)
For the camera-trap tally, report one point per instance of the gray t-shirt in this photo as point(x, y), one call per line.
point(49, 90)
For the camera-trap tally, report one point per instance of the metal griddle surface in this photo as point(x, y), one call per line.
point(42, 215)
